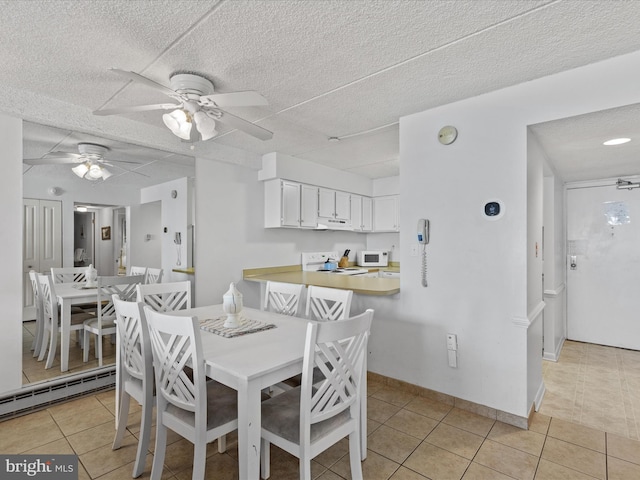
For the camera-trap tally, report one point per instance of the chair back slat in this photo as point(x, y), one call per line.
point(139, 271)
point(283, 298)
point(68, 274)
point(49, 301)
point(165, 297)
point(328, 303)
point(135, 348)
point(122, 286)
point(154, 275)
point(339, 350)
point(175, 343)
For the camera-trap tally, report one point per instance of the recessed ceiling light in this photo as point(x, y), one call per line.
point(616, 141)
point(81, 209)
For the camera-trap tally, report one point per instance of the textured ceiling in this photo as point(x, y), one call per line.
point(328, 69)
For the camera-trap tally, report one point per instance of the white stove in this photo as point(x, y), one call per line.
point(314, 262)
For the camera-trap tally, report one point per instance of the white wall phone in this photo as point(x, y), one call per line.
point(423, 239)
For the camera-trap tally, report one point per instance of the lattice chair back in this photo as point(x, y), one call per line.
point(139, 271)
point(165, 297)
point(328, 303)
point(283, 298)
point(154, 275)
point(123, 286)
point(68, 274)
point(37, 303)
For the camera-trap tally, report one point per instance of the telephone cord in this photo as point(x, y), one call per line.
point(424, 266)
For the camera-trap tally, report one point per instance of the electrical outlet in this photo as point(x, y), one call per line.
point(415, 250)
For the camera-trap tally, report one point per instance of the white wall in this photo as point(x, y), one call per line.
point(478, 268)
point(143, 252)
point(175, 217)
point(11, 252)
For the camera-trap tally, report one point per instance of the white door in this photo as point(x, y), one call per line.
point(603, 286)
point(42, 244)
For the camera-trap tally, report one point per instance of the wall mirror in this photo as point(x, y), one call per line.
point(95, 212)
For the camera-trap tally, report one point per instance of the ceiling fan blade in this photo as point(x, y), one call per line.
point(137, 108)
point(53, 160)
point(245, 126)
point(248, 98)
point(136, 77)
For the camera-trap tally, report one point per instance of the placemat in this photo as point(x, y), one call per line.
point(84, 287)
point(216, 325)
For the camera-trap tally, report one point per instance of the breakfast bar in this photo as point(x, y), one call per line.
point(360, 284)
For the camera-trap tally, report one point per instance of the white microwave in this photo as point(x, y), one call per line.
point(373, 258)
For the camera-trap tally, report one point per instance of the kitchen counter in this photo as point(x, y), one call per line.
point(188, 270)
point(294, 274)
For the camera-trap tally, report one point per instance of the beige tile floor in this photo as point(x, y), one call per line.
point(410, 438)
point(33, 371)
point(596, 386)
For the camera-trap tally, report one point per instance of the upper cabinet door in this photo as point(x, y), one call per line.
point(343, 206)
point(326, 203)
point(356, 212)
point(309, 206)
point(290, 204)
point(385, 214)
point(367, 220)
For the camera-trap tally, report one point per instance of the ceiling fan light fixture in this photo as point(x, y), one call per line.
point(80, 170)
point(95, 172)
point(205, 124)
point(179, 122)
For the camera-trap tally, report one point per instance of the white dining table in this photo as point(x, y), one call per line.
point(250, 363)
point(69, 294)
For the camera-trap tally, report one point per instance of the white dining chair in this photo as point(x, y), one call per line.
point(283, 298)
point(103, 323)
point(328, 303)
point(307, 420)
point(37, 303)
point(154, 275)
point(68, 274)
point(135, 378)
point(198, 410)
point(51, 319)
point(139, 271)
point(165, 297)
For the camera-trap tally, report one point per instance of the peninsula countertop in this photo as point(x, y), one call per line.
point(294, 274)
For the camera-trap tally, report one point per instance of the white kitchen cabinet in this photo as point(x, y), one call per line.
point(385, 214)
point(308, 206)
point(334, 204)
point(361, 213)
point(290, 204)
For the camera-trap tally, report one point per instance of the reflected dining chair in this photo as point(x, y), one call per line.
point(135, 377)
point(139, 271)
point(283, 298)
point(154, 275)
point(165, 297)
point(328, 303)
point(307, 420)
point(51, 319)
point(198, 410)
point(68, 274)
point(37, 303)
point(103, 323)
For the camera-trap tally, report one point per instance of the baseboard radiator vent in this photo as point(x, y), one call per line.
point(42, 395)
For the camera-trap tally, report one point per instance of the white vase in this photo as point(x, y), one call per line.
point(232, 306)
point(91, 276)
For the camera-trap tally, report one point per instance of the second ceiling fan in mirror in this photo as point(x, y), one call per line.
point(197, 105)
point(89, 162)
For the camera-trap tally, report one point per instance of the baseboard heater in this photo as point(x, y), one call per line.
point(44, 394)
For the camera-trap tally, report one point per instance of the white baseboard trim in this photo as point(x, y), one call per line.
point(539, 396)
point(554, 356)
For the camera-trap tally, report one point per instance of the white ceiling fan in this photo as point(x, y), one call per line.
point(197, 104)
point(89, 162)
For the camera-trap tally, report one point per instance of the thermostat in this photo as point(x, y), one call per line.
point(493, 209)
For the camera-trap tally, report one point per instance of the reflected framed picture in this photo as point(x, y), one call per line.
point(106, 233)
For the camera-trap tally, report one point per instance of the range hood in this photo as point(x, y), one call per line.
point(333, 224)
